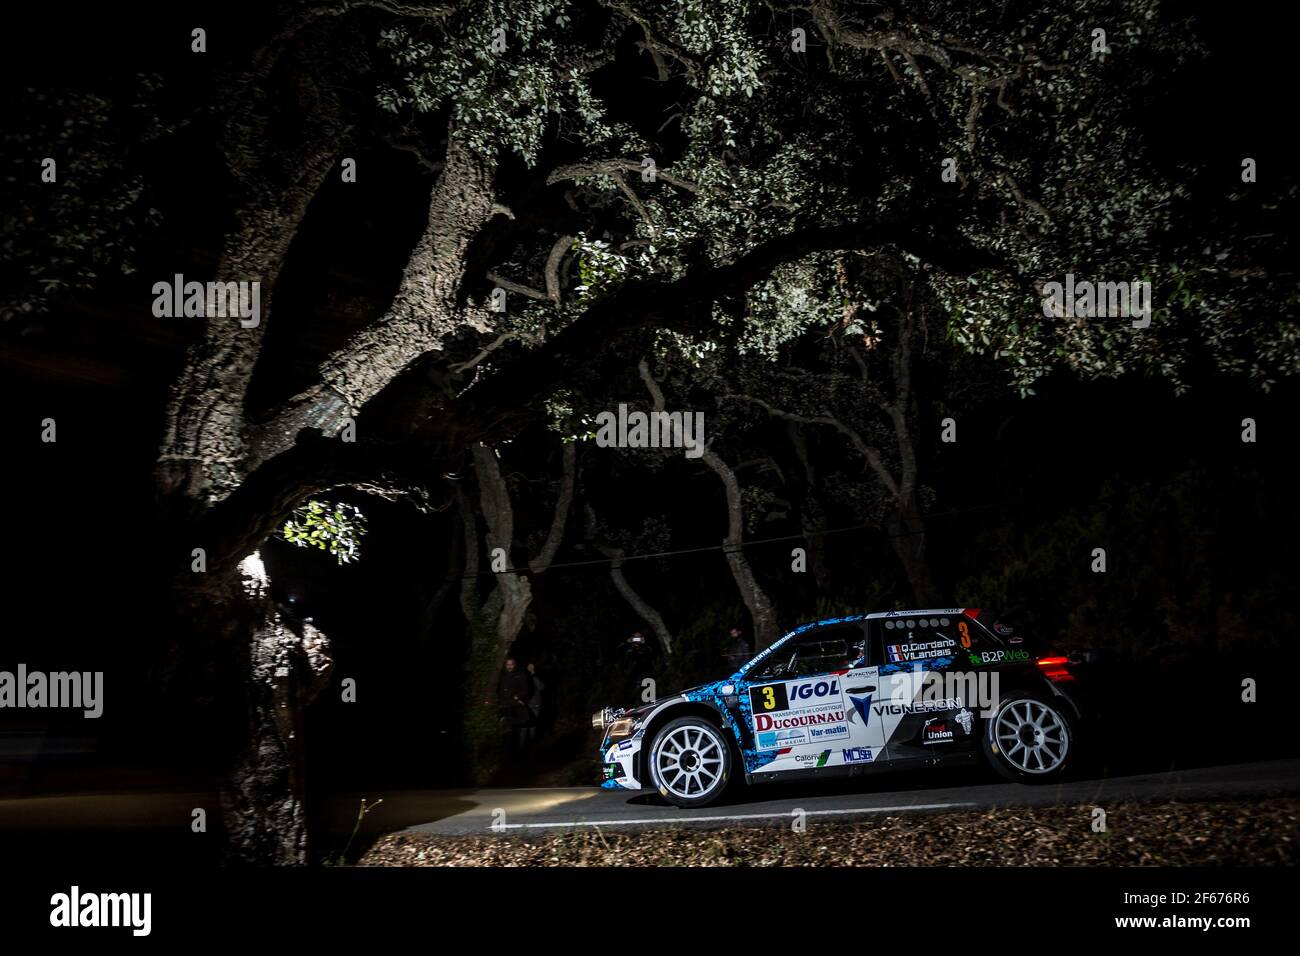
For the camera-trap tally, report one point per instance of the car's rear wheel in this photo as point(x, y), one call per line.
point(690, 762)
point(1028, 739)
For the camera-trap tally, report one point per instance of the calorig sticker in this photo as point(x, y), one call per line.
point(817, 760)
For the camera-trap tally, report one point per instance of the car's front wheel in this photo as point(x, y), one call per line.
point(1028, 739)
point(690, 762)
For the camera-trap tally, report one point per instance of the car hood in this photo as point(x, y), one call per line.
point(697, 692)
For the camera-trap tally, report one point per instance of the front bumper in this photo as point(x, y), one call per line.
point(619, 762)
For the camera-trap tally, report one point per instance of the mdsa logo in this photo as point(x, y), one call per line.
point(813, 689)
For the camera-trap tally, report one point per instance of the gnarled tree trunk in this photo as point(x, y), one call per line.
point(288, 664)
point(271, 667)
point(502, 614)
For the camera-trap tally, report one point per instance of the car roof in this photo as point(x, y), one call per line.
point(968, 611)
point(971, 612)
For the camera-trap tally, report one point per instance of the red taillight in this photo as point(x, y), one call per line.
point(1054, 668)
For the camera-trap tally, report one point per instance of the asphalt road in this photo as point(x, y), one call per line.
point(553, 809)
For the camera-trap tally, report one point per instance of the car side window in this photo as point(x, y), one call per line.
point(818, 657)
point(832, 648)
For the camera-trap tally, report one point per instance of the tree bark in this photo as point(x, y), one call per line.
point(270, 665)
point(427, 309)
point(202, 452)
point(286, 664)
point(505, 608)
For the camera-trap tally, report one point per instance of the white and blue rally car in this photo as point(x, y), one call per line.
point(848, 695)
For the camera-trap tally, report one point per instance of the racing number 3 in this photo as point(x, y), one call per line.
point(964, 630)
point(770, 697)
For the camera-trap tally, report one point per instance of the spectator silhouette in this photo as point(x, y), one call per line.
point(535, 703)
point(737, 650)
point(514, 691)
point(634, 663)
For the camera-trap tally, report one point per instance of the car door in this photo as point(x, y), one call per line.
point(810, 704)
point(923, 707)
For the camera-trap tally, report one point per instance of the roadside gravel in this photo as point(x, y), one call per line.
point(1257, 833)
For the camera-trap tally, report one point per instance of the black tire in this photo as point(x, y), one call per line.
point(1020, 750)
point(695, 743)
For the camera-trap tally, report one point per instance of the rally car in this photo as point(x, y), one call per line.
point(850, 695)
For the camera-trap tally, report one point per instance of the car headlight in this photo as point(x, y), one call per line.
point(623, 727)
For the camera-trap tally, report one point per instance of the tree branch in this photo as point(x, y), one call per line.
point(612, 167)
point(642, 607)
point(658, 43)
point(870, 453)
point(553, 261)
point(427, 309)
point(556, 535)
point(511, 286)
point(500, 405)
point(239, 524)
